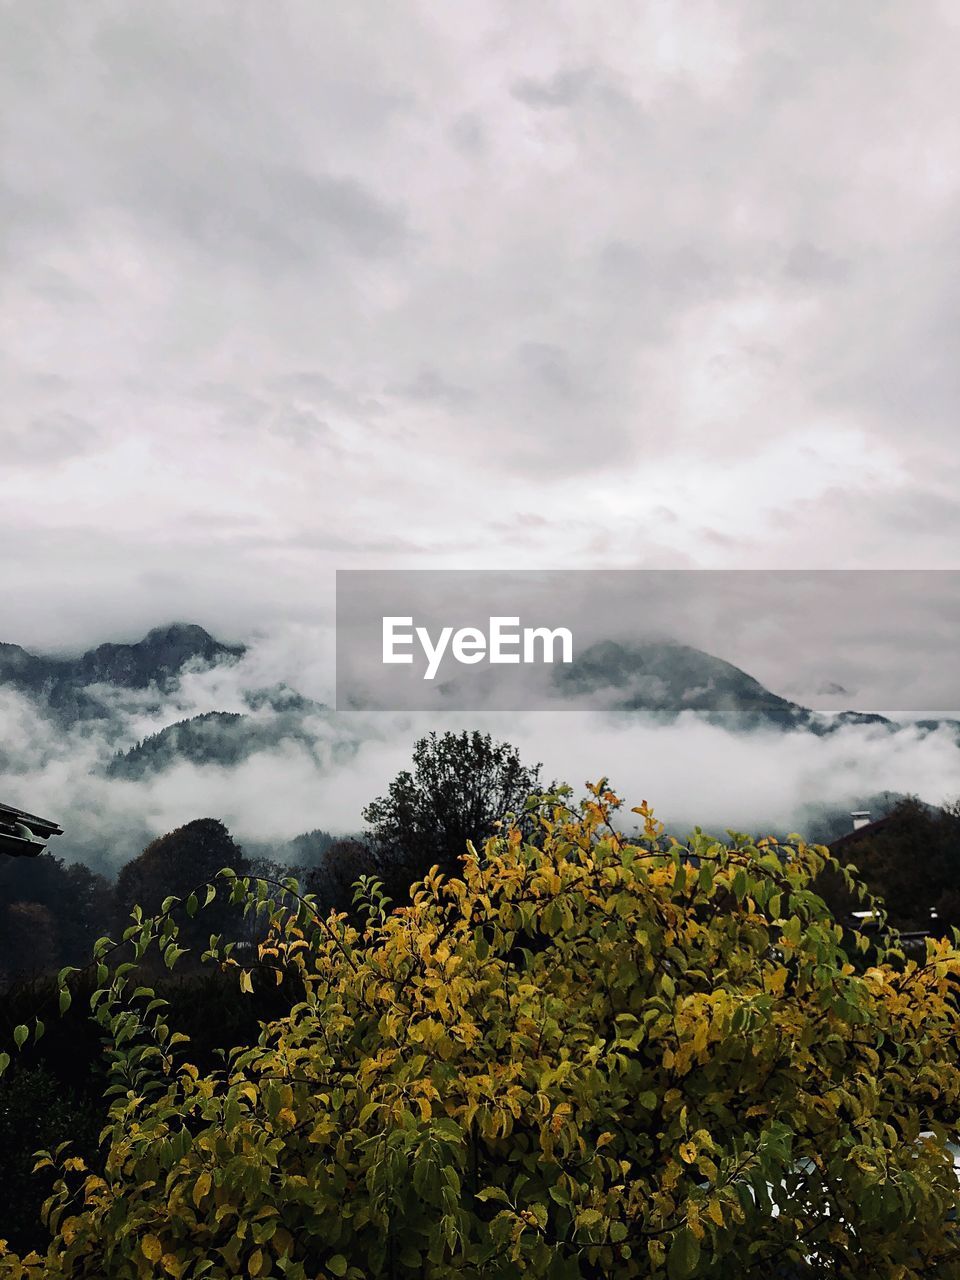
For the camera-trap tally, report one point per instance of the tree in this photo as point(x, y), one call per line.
point(688, 1080)
point(70, 906)
point(340, 867)
point(85, 912)
point(460, 787)
point(172, 865)
point(36, 1109)
point(28, 938)
point(912, 861)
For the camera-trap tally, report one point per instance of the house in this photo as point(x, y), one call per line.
point(868, 921)
point(862, 829)
point(24, 834)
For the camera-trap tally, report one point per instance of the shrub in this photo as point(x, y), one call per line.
point(586, 1056)
point(37, 1110)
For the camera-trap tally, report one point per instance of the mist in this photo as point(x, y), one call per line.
point(322, 771)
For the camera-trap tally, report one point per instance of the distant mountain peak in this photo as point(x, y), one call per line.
point(159, 656)
point(158, 659)
point(178, 633)
point(665, 678)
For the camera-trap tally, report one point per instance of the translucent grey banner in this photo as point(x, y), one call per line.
point(809, 649)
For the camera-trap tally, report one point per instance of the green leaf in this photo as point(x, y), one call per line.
point(684, 1255)
point(337, 1265)
point(792, 930)
point(492, 1193)
point(20, 1035)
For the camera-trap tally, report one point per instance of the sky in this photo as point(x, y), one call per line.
point(292, 288)
point(289, 288)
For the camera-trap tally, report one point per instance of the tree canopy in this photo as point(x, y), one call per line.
point(173, 864)
point(460, 787)
point(50, 913)
point(586, 1054)
point(912, 861)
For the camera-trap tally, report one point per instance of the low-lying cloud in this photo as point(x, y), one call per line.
point(693, 772)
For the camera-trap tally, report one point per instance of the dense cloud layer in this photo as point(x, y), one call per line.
point(334, 764)
point(297, 287)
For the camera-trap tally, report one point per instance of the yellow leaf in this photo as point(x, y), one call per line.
point(255, 1262)
point(151, 1248)
point(201, 1187)
point(714, 1211)
point(775, 980)
point(688, 1152)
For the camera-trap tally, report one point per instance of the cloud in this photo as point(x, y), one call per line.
point(48, 440)
point(693, 772)
point(562, 89)
point(302, 288)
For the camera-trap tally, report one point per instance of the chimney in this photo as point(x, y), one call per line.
point(860, 819)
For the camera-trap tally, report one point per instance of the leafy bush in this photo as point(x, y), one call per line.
point(36, 1110)
point(586, 1056)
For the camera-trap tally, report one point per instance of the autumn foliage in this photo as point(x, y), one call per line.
point(586, 1055)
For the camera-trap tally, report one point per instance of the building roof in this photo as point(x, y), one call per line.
point(859, 833)
point(24, 834)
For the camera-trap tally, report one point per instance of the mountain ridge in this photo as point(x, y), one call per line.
point(661, 679)
point(667, 678)
point(62, 684)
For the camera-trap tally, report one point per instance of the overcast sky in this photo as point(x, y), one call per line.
point(290, 287)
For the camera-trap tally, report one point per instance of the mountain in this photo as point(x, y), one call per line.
point(659, 679)
point(65, 686)
point(216, 737)
point(156, 659)
point(664, 678)
point(223, 738)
